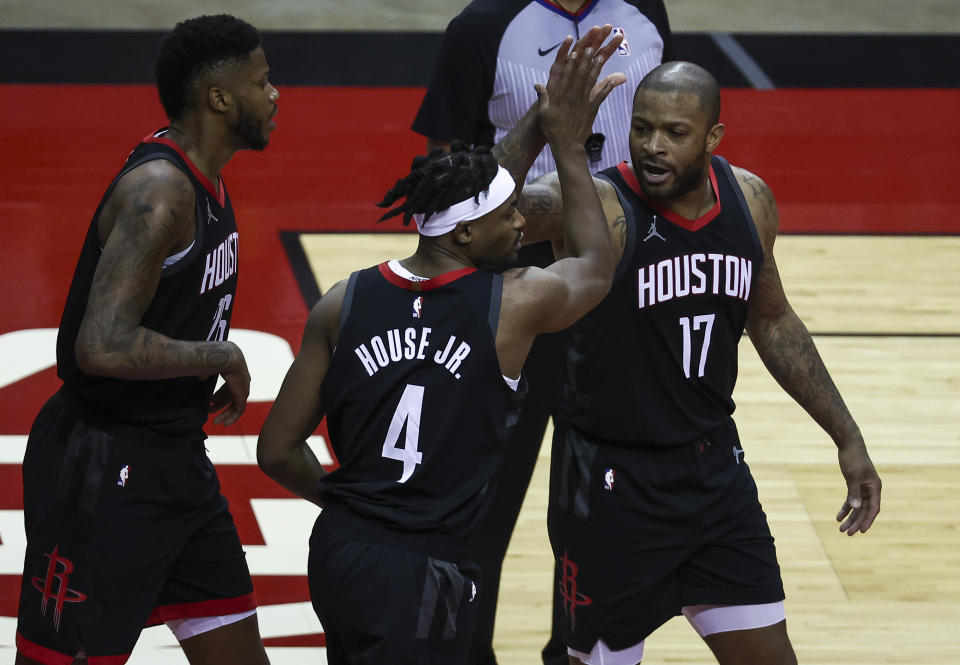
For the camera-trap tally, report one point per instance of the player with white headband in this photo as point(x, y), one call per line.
point(416, 363)
point(466, 211)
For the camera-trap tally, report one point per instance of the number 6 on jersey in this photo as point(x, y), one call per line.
point(408, 411)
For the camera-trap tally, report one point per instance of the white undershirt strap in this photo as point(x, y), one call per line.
point(170, 260)
point(400, 271)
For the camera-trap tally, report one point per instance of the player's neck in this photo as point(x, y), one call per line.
point(206, 153)
point(695, 203)
point(435, 256)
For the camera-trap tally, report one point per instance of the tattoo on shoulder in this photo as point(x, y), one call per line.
point(541, 204)
point(759, 191)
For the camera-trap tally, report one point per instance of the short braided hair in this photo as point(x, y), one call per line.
point(196, 46)
point(440, 179)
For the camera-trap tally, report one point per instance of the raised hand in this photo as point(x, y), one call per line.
point(569, 102)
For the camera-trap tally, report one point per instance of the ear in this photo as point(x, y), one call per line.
point(714, 136)
point(462, 233)
point(219, 99)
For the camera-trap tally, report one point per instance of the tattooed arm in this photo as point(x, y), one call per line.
point(788, 352)
point(541, 204)
point(150, 215)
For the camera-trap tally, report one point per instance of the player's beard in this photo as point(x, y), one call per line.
point(249, 129)
point(684, 182)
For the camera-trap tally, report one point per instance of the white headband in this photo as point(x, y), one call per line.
point(446, 220)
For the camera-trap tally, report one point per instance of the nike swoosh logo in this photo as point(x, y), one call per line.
point(542, 52)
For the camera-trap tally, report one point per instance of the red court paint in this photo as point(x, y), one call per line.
point(838, 161)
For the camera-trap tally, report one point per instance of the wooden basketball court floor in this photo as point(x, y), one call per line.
point(885, 307)
point(869, 259)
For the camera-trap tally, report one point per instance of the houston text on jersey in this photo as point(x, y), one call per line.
point(220, 263)
point(694, 274)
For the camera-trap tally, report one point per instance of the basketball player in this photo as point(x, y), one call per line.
point(482, 82)
point(653, 510)
point(417, 364)
point(125, 522)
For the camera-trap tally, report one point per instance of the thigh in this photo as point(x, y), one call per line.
point(389, 604)
point(97, 550)
point(736, 563)
point(238, 643)
point(210, 576)
point(768, 645)
point(617, 539)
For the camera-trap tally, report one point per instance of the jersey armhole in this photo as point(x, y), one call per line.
point(194, 249)
point(742, 201)
point(347, 300)
point(496, 296)
point(629, 215)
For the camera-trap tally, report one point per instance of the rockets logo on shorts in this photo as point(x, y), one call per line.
point(55, 586)
point(572, 598)
point(124, 475)
point(418, 307)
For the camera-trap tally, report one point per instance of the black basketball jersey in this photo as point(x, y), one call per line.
point(656, 362)
point(194, 301)
point(417, 410)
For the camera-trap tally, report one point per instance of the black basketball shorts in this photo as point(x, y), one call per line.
point(125, 528)
point(640, 533)
point(381, 603)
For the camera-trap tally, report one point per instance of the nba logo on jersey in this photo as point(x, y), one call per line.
point(124, 474)
point(608, 480)
point(418, 307)
point(624, 48)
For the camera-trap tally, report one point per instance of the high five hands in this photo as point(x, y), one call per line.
point(569, 102)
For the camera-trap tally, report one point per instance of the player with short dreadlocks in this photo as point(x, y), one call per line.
point(416, 364)
point(441, 179)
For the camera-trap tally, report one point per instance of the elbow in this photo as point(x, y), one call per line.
point(270, 461)
point(104, 352)
point(602, 288)
point(91, 358)
point(606, 268)
point(266, 460)
point(592, 293)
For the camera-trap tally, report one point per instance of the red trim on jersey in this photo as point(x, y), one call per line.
point(626, 170)
point(206, 608)
point(425, 285)
point(216, 192)
point(48, 656)
point(575, 15)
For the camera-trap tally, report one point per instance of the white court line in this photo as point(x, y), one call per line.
point(241, 449)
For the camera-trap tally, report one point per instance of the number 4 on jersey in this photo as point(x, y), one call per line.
point(698, 322)
point(408, 411)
